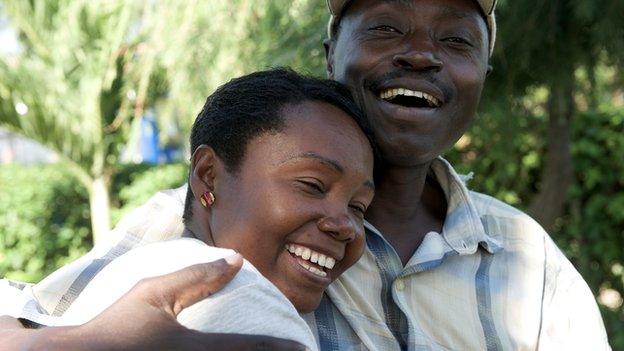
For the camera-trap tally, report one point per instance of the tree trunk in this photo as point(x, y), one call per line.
point(549, 203)
point(99, 209)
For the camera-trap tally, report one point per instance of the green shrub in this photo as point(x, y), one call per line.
point(135, 184)
point(592, 232)
point(44, 213)
point(44, 220)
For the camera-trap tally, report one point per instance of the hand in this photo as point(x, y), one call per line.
point(145, 318)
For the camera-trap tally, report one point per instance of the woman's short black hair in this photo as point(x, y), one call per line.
point(252, 105)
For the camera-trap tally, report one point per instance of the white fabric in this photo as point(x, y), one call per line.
point(249, 304)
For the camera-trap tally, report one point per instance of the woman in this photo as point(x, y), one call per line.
point(281, 172)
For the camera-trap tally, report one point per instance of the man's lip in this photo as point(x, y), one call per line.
point(411, 84)
point(408, 114)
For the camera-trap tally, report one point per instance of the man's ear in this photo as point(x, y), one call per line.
point(489, 70)
point(328, 44)
point(203, 170)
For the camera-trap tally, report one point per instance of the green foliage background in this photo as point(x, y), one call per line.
point(45, 213)
point(543, 47)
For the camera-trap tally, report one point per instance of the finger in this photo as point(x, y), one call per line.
point(181, 289)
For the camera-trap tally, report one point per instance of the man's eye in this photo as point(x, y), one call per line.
point(457, 40)
point(359, 209)
point(385, 28)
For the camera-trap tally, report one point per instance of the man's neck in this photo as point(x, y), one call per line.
point(406, 207)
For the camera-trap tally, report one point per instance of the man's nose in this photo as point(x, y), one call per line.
point(341, 227)
point(418, 58)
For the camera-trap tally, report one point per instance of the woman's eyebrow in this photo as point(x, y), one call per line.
point(327, 162)
point(322, 159)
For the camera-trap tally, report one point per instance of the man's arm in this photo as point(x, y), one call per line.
point(145, 319)
point(571, 319)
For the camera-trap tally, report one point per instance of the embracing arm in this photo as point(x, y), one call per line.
point(145, 319)
point(571, 319)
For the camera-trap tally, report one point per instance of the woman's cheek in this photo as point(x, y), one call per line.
point(353, 252)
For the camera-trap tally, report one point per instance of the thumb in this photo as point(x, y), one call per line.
point(181, 289)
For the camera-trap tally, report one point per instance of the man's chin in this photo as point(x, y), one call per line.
point(407, 160)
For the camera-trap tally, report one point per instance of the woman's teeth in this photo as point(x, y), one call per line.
point(314, 270)
point(310, 255)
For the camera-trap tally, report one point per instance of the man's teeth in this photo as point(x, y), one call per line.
point(394, 92)
point(312, 256)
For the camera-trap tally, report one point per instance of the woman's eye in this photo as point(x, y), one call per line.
point(385, 28)
point(313, 186)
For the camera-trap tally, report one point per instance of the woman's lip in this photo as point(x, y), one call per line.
point(316, 279)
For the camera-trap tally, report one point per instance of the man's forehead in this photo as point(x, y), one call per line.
point(337, 7)
point(446, 11)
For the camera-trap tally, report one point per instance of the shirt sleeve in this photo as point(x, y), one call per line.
point(249, 304)
point(571, 319)
point(15, 298)
point(254, 309)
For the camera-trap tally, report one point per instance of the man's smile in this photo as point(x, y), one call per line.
point(410, 98)
point(402, 89)
point(405, 99)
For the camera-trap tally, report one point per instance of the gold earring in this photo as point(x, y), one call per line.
point(207, 199)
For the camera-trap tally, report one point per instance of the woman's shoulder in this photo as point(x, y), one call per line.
point(118, 275)
point(171, 255)
point(249, 304)
point(195, 250)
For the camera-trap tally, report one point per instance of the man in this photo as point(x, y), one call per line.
point(445, 268)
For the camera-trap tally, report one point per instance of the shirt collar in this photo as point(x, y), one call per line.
point(463, 228)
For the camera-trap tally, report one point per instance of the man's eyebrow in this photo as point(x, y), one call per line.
point(322, 159)
point(448, 11)
point(369, 185)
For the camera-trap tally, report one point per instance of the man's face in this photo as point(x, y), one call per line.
point(417, 69)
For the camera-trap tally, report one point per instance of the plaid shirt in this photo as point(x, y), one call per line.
point(492, 280)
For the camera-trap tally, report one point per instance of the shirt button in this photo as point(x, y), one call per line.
point(399, 284)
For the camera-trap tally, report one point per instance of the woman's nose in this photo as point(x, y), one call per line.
point(341, 227)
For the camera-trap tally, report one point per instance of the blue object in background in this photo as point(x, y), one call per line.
point(148, 140)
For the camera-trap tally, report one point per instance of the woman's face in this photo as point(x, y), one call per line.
point(295, 209)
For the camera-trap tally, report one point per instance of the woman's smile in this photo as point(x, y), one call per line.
point(315, 262)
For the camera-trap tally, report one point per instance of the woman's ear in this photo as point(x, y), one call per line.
point(204, 164)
